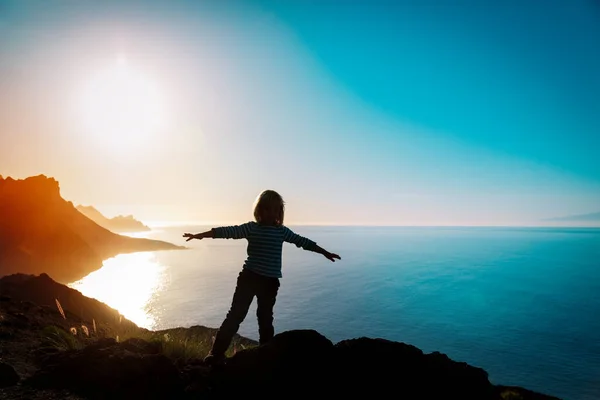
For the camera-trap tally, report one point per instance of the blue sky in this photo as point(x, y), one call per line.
point(511, 76)
point(430, 112)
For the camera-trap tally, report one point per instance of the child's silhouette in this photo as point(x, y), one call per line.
point(261, 270)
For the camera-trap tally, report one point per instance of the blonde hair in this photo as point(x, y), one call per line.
point(269, 197)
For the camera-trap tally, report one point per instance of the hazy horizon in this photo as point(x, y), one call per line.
point(373, 114)
point(567, 223)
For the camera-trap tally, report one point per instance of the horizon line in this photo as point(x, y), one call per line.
point(163, 224)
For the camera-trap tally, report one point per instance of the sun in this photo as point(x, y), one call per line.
point(121, 107)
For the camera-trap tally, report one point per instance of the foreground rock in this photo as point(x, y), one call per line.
point(305, 362)
point(301, 362)
point(40, 232)
point(366, 361)
point(133, 369)
point(41, 359)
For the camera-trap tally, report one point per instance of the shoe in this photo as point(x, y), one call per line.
point(212, 359)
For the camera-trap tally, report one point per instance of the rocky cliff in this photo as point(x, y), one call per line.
point(40, 232)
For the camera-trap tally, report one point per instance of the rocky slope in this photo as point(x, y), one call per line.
point(40, 232)
point(40, 359)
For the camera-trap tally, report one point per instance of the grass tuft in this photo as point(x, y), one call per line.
point(58, 338)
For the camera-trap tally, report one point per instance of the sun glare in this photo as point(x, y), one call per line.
point(126, 283)
point(121, 107)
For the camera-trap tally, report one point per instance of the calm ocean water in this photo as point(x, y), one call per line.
point(522, 303)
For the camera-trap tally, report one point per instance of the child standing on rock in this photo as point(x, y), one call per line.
point(261, 270)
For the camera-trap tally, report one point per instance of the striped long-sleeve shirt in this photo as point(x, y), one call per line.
point(265, 244)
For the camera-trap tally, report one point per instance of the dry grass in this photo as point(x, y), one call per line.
point(180, 344)
point(60, 309)
point(510, 395)
point(184, 349)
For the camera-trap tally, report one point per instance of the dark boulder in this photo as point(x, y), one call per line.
point(374, 367)
point(294, 361)
point(108, 369)
point(8, 375)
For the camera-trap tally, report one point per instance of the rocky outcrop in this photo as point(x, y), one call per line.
point(298, 362)
point(40, 232)
point(305, 362)
point(41, 359)
point(365, 361)
point(120, 223)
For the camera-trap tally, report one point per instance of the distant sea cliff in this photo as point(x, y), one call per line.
point(120, 223)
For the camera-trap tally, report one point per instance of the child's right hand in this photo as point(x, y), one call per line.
point(191, 236)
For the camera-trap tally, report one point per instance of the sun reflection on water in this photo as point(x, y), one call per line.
point(126, 283)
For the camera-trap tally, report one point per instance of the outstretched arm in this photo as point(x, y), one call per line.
point(328, 255)
point(307, 244)
point(190, 236)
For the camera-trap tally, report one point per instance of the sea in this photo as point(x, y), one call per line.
point(521, 303)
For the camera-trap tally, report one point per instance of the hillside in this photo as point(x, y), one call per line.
point(120, 223)
point(40, 232)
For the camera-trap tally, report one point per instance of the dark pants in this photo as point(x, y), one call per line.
point(249, 284)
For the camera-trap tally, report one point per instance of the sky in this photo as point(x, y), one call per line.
point(358, 113)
